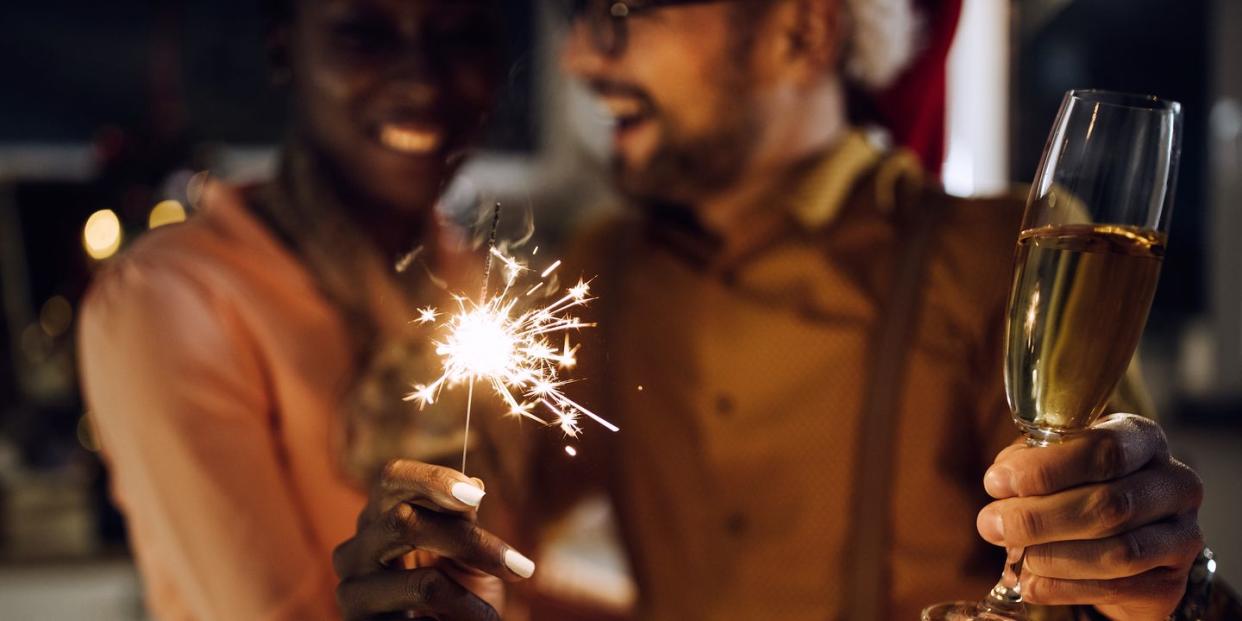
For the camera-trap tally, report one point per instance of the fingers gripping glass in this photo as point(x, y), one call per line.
point(606, 19)
point(1085, 273)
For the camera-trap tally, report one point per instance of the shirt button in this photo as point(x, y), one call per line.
point(724, 405)
point(736, 524)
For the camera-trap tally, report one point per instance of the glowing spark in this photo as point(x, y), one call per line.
point(427, 315)
point(571, 451)
point(513, 268)
point(580, 291)
point(508, 349)
point(551, 268)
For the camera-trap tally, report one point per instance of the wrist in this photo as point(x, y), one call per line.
point(1195, 603)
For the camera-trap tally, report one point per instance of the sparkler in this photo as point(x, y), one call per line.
point(492, 341)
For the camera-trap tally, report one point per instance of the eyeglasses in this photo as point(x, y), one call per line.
point(606, 19)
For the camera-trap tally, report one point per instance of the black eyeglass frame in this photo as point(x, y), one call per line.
point(606, 19)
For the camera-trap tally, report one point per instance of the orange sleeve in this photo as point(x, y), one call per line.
point(178, 397)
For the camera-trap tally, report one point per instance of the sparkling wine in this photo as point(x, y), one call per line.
point(1076, 311)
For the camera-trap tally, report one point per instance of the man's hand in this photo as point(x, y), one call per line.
point(457, 569)
point(1107, 518)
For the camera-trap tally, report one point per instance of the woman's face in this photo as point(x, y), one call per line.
point(392, 92)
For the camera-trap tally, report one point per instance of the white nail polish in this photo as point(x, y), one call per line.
point(468, 493)
point(519, 564)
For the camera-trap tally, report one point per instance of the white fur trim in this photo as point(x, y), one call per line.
point(881, 40)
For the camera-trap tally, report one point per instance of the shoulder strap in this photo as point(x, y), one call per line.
point(868, 569)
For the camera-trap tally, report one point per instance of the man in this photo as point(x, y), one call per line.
point(746, 315)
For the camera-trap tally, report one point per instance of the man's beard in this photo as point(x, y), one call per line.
point(687, 169)
point(684, 170)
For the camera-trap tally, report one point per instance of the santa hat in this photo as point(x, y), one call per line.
point(897, 54)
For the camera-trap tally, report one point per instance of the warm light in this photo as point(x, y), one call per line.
point(551, 268)
point(55, 316)
point(427, 315)
point(509, 350)
point(101, 237)
point(571, 451)
point(481, 345)
point(35, 343)
point(86, 434)
point(166, 212)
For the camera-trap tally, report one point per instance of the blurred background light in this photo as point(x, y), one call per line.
point(102, 234)
point(166, 212)
point(977, 120)
point(55, 316)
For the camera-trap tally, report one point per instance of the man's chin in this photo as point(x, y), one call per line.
point(645, 185)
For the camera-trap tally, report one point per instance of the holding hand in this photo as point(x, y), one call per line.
point(458, 567)
point(1108, 518)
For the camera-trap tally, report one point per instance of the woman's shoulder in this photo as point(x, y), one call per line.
point(222, 250)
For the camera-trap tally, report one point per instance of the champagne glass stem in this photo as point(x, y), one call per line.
point(1006, 596)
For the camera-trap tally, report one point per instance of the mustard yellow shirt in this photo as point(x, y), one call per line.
point(738, 385)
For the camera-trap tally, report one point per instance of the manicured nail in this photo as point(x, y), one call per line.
point(991, 526)
point(519, 564)
point(998, 481)
point(468, 494)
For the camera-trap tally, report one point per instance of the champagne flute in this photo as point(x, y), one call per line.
point(1087, 263)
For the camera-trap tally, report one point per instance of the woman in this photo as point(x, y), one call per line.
point(241, 369)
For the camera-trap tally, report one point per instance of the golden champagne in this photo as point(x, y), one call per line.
point(1079, 302)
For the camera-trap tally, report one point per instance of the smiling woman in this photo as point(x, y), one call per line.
point(242, 428)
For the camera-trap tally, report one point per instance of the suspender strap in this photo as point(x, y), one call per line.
point(867, 573)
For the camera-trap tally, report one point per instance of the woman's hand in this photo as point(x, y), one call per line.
point(456, 569)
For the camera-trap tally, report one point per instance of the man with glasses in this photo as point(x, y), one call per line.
point(753, 297)
point(800, 339)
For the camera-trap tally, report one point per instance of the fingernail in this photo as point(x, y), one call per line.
point(468, 494)
point(998, 481)
point(519, 564)
point(991, 526)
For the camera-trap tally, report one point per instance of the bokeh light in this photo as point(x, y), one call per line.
point(166, 212)
point(101, 237)
point(86, 434)
point(35, 344)
point(55, 316)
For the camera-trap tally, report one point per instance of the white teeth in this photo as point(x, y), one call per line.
point(409, 139)
point(621, 108)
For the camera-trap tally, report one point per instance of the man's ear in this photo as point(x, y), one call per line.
point(814, 30)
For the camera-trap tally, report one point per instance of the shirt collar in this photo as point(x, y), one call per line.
point(817, 191)
point(821, 192)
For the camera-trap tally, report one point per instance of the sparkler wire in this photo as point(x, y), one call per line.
point(487, 277)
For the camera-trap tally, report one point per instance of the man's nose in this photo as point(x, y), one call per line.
point(580, 55)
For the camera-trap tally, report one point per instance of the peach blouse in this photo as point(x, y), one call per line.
point(211, 365)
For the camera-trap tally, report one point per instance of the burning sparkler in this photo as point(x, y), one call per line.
point(494, 342)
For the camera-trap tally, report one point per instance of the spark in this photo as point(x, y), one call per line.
point(427, 315)
point(511, 351)
point(513, 267)
point(571, 451)
point(551, 268)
